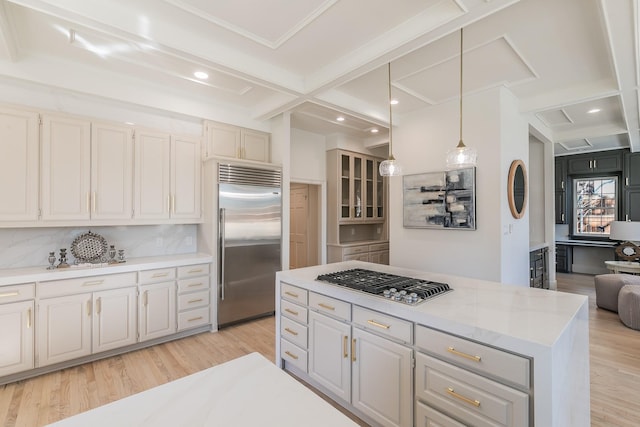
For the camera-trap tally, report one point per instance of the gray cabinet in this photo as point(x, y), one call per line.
point(605, 162)
point(563, 258)
point(631, 187)
point(561, 190)
point(538, 277)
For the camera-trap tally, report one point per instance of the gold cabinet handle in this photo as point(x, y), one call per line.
point(325, 306)
point(156, 275)
point(291, 331)
point(195, 300)
point(193, 319)
point(293, 356)
point(93, 283)
point(353, 350)
point(98, 305)
point(292, 294)
point(465, 399)
point(199, 270)
point(295, 313)
point(9, 294)
point(465, 355)
point(345, 346)
point(379, 325)
point(29, 318)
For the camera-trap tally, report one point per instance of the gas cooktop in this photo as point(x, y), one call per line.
point(407, 290)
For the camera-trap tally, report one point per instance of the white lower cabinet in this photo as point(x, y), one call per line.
point(16, 338)
point(114, 319)
point(157, 310)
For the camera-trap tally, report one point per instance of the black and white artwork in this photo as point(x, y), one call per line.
point(440, 199)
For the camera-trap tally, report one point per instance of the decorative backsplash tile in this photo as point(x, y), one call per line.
point(29, 247)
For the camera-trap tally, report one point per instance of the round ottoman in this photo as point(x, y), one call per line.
point(629, 306)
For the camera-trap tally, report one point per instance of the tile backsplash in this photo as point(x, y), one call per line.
point(29, 247)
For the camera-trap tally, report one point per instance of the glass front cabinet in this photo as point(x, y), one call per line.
point(361, 189)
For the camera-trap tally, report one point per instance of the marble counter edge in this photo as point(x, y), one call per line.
point(41, 274)
point(360, 243)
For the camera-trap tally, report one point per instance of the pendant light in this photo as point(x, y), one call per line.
point(390, 167)
point(461, 156)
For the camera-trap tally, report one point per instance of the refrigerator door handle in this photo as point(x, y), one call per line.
point(222, 250)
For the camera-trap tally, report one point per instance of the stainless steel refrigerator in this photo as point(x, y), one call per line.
point(250, 235)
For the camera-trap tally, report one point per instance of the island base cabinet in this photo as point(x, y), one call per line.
point(381, 379)
point(472, 399)
point(16, 338)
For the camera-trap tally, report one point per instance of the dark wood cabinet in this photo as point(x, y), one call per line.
point(604, 162)
point(560, 190)
point(631, 187)
point(538, 277)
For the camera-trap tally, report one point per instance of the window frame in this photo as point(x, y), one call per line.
point(574, 208)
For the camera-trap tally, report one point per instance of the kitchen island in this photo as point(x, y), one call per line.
point(482, 354)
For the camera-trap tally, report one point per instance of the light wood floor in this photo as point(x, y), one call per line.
point(615, 369)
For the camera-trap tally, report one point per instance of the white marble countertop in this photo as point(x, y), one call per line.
point(40, 273)
point(245, 392)
point(522, 319)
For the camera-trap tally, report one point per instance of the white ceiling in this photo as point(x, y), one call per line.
point(324, 58)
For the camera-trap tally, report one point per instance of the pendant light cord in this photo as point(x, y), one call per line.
point(461, 144)
point(390, 115)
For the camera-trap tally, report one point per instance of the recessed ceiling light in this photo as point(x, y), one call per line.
point(593, 110)
point(340, 119)
point(394, 102)
point(374, 130)
point(201, 75)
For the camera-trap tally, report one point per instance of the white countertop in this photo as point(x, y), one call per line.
point(245, 392)
point(38, 274)
point(522, 319)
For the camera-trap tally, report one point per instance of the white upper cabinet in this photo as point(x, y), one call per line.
point(153, 175)
point(111, 171)
point(66, 160)
point(225, 140)
point(19, 167)
point(185, 177)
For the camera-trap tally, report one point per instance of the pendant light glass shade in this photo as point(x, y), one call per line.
point(390, 167)
point(461, 156)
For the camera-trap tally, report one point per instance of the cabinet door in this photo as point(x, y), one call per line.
point(560, 173)
point(379, 257)
point(152, 175)
point(255, 146)
point(579, 164)
point(19, 165)
point(223, 140)
point(607, 162)
point(115, 321)
point(632, 169)
point(111, 172)
point(64, 328)
point(329, 354)
point(632, 204)
point(16, 339)
point(560, 206)
point(382, 379)
point(66, 162)
point(185, 177)
point(157, 310)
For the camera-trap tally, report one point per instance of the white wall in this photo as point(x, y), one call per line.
point(308, 156)
point(494, 127)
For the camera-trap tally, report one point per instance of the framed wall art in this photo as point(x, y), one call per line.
point(440, 199)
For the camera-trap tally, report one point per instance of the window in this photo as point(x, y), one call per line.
point(595, 204)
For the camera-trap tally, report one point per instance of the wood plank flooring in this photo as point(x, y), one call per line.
point(615, 369)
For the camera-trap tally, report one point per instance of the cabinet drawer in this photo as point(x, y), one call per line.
point(480, 358)
point(15, 293)
point(294, 332)
point(293, 293)
point(293, 355)
point(193, 270)
point(352, 250)
point(357, 257)
point(193, 318)
point(293, 311)
point(159, 275)
point(379, 247)
point(474, 399)
point(55, 288)
point(195, 284)
point(429, 417)
point(330, 306)
point(193, 300)
point(383, 324)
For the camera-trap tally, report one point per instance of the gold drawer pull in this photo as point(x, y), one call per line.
point(165, 274)
point(196, 270)
point(379, 325)
point(9, 294)
point(195, 300)
point(193, 319)
point(29, 318)
point(345, 346)
point(293, 356)
point(353, 350)
point(93, 283)
point(465, 355)
point(328, 307)
point(291, 331)
point(288, 310)
point(292, 294)
point(475, 403)
point(193, 285)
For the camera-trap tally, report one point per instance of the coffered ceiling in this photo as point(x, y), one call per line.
point(321, 59)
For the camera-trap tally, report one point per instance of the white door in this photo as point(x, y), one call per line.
point(329, 354)
point(16, 338)
point(19, 165)
point(66, 163)
point(64, 328)
point(115, 323)
point(111, 172)
point(382, 379)
point(152, 175)
point(157, 310)
point(185, 177)
point(298, 233)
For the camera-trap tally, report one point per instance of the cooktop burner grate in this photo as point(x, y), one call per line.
point(407, 290)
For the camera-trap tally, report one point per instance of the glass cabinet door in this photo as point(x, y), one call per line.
point(357, 187)
point(379, 203)
point(370, 212)
point(345, 186)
